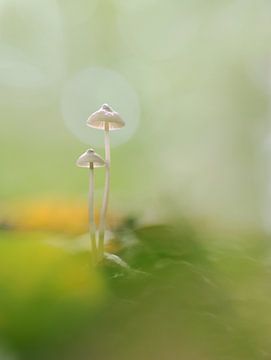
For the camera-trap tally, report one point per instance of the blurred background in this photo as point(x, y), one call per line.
point(191, 79)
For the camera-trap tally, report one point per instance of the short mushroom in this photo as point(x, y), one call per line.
point(105, 119)
point(89, 159)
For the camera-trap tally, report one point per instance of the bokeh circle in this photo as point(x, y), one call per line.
point(87, 91)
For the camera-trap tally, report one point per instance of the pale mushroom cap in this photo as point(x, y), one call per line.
point(89, 157)
point(105, 115)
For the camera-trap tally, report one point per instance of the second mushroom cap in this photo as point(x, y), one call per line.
point(89, 157)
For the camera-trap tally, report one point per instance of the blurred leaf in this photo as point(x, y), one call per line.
point(47, 295)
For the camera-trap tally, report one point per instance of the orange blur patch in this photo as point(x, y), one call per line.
point(56, 215)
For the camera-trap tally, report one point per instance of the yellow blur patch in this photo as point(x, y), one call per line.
point(55, 215)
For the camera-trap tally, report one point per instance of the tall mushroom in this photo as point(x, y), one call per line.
point(89, 159)
point(105, 119)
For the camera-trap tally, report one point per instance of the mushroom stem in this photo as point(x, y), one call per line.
point(106, 192)
point(91, 214)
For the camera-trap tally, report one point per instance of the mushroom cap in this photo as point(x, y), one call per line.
point(105, 115)
point(89, 157)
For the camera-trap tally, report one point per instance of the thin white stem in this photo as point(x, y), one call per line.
point(106, 193)
point(91, 214)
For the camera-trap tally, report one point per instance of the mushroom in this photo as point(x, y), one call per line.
point(105, 119)
point(89, 159)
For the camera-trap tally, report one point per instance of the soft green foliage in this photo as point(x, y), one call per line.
point(183, 296)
